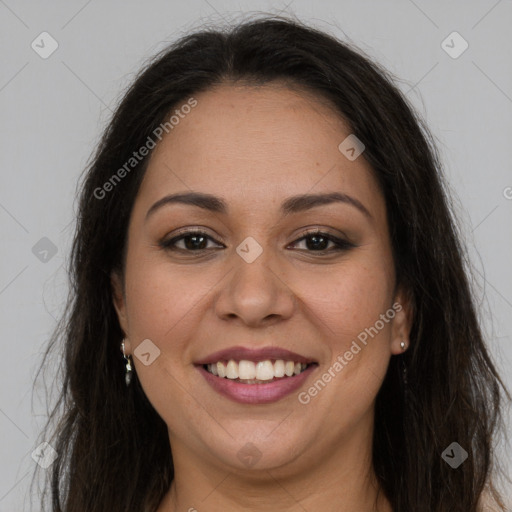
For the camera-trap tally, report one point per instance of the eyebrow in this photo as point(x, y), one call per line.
point(291, 205)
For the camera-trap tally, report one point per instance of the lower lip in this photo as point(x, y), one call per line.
point(256, 393)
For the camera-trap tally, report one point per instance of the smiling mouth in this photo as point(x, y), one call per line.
point(261, 372)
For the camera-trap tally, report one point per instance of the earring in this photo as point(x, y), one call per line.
point(129, 369)
point(403, 346)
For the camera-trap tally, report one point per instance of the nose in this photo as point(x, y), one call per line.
point(255, 294)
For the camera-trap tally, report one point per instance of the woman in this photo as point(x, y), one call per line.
point(269, 308)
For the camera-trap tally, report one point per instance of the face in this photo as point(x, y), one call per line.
point(315, 279)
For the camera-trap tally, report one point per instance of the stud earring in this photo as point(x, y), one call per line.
point(403, 345)
point(129, 369)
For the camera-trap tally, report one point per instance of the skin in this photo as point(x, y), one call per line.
point(255, 147)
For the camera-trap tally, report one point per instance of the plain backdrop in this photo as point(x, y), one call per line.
point(53, 111)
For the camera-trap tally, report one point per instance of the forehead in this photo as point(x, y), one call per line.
point(256, 146)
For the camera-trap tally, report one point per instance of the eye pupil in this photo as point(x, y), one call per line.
point(194, 245)
point(315, 244)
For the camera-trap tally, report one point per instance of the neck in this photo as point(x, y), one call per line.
point(340, 480)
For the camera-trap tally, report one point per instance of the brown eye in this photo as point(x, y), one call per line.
point(315, 241)
point(193, 241)
point(318, 241)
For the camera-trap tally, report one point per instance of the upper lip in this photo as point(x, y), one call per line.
point(254, 354)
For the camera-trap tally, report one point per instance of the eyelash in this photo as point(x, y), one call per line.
point(340, 244)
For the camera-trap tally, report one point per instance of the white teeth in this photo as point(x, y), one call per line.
point(232, 370)
point(221, 369)
point(260, 371)
point(246, 370)
point(279, 368)
point(265, 370)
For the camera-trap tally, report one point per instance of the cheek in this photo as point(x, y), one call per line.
point(160, 295)
point(348, 299)
point(165, 305)
point(347, 309)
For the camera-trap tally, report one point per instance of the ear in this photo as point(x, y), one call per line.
point(119, 301)
point(403, 306)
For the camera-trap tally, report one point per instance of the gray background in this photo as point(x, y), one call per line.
point(53, 111)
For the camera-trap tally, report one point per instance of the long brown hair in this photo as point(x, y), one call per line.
point(113, 448)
